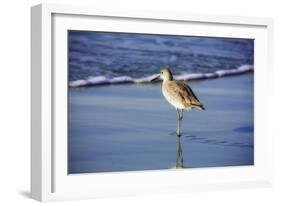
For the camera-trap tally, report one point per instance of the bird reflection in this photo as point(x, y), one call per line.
point(179, 159)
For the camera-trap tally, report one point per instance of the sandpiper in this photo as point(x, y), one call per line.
point(178, 94)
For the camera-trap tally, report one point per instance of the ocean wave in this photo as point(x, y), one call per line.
point(101, 80)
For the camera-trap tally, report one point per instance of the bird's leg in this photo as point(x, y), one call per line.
point(178, 129)
point(180, 116)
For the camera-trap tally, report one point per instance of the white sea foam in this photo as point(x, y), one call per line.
point(100, 80)
point(122, 79)
point(145, 79)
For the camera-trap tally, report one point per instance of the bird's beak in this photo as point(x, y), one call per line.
point(155, 78)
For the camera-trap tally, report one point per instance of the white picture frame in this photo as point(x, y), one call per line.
point(49, 178)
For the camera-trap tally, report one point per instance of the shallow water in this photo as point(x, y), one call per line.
point(132, 127)
point(108, 55)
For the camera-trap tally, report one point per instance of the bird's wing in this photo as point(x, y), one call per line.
point(186, 93)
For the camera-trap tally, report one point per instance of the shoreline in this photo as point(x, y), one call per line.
point(102, 80)
point(132, 127)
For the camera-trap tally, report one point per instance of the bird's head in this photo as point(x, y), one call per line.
point(165, 74)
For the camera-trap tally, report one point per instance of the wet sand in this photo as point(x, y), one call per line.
point(131, 127)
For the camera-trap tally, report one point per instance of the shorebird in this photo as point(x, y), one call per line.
point(178, 94)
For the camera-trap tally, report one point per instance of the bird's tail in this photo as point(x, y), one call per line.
point(198, 106)
point(201, 107)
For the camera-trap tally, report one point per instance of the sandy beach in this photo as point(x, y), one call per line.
point(131, 127)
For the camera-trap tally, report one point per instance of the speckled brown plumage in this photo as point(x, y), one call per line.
point(180, 92)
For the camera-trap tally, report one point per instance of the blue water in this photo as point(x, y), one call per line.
point(132, 127)
point(108, 55)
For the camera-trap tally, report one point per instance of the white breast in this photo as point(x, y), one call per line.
point(173, 101)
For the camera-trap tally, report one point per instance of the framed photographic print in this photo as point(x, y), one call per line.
point(137, 102)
